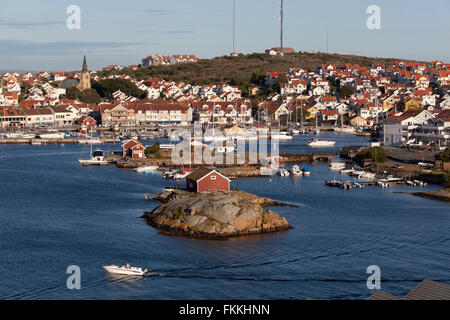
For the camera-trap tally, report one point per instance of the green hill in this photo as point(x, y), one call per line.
point(245, 70)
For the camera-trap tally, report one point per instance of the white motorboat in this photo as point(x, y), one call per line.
point(222, 147)
point(296, 171)
point(283, 173)
point(28, 136)
point(267, 171)
point(317, 143)
point(97, 159)
point(36, 142)
point(345, 129)
point(52, 135)
point(213, 135)
point(337, 166)
point(126, 269)
point(281, 136)
point(147, 169)
point(13, 135)
point(90, 141)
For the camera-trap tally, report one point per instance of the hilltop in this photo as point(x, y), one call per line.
point(244, 70)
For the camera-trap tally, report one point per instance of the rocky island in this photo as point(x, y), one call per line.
point(215, 214)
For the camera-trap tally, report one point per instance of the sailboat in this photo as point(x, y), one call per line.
point(343, 128)
point(97, 158)
point(316, 129)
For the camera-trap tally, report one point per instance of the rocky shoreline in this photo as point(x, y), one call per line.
point(216, 215)
point(441, 195)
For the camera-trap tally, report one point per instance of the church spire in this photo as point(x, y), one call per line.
point(85, 68)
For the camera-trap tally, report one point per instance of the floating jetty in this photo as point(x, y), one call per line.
point(384, 183)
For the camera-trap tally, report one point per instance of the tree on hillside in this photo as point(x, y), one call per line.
point(105, 88)
point(446, 155)
point(377, 154)
point(86, 96)
point(346, 91)
point(24, 87)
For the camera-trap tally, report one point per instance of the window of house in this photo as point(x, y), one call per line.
point(213, 177)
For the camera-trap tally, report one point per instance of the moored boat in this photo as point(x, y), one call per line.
point(317, 143)
point(281, 136)
point(283, 172)
point(52, 135)
point(337, 165)
point(147, 169)
point(344, 129)
point(97, 159)
point(296, 171)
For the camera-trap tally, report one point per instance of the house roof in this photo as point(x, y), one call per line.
point(406, 115)
point(429, 290)
point(200, 173)
point(426, 290)
point(380, 295)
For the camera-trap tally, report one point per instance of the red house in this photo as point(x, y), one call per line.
point(133, 148)
point(202, 180)
point(87, 121)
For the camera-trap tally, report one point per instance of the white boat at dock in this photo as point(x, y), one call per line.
point(283, 173)
point(126, 269)
point(52, 134)
point(36, 142)
point(20, 135)
point(344, 129)
point(90, 141)
point(181, 174)
point(147, 169)
point(296, 171)
point(281, 136)
point(318, 143)
point(97, 159)
point(337, 165)
point(267, 171)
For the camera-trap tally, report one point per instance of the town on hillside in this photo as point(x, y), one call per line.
point(406, 103)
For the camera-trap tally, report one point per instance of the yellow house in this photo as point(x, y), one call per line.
point(358, 121)
point(253, 91)
point(389, 102)
point(413, 104)
point(216, 99)
point(311, 112)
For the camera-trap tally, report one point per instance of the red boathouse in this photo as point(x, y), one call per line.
point(202, 180)
point(133, 148)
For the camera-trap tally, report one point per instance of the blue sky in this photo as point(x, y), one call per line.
point(33, 33)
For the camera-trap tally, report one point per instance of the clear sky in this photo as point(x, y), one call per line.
point(34, 36)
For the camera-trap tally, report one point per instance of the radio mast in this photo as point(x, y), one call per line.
point(281, 21)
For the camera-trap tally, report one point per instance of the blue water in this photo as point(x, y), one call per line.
point(55, 213)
